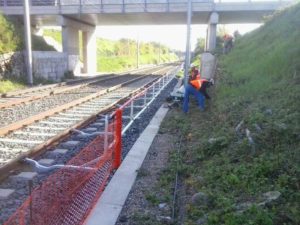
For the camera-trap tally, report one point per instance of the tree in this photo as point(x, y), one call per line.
point(9, 41)
point(222, 30)
point(199, 46)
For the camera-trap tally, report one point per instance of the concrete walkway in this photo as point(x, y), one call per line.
point(109, 206)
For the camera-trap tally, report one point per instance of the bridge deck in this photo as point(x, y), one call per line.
point(113, 12)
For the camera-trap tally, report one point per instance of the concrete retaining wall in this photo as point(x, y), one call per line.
point(48, 65)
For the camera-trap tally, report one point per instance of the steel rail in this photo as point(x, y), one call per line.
point(50, 92)
point(61, 89)
point(13, 162)
point(41, 148)
point(21, 123)
point(47, 87)
point(53, 86)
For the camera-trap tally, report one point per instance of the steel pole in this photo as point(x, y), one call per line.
point(188, 42)
point(137, 52)
point(28, 42)
point(159, 54)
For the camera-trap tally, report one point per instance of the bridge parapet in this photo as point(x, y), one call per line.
point(121, 3)
point(95, 12)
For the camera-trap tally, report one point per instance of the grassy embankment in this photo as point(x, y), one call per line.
point(121, 55)
point(11, 40)
point(8, 85)
point(258, 87)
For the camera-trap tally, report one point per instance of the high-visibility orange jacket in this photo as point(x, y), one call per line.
point(195, 74)
point(197, 83)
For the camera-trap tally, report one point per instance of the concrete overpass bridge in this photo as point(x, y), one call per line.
point(85, 15)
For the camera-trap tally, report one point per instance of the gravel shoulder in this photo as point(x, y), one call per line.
point(146, 204)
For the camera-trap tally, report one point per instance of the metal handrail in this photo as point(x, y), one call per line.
point(121, 3)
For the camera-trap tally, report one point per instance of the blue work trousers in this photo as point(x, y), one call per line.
point(190, 90)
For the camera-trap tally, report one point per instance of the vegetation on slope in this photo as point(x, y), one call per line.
point(10, 85)
point(246, 174)
point(11, 40)
point(12, 37)
point(200, 45)
point(121, 55)
point(8, 39)
point(55, 34)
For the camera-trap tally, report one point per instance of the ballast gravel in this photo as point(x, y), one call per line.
point(8, 206)
point(22, 111)
point(39, 135)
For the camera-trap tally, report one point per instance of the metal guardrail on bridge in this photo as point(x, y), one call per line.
point(5, 3)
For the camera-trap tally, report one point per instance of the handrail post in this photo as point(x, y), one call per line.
point(80, 6)
point(168, 5)
point(101, 6)
point(131, 109)
point(145, 98)
point(153, 90)
point(59, 5)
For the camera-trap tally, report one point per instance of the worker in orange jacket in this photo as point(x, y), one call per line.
point(194, 74)
point(193, 87)
point(228, 43)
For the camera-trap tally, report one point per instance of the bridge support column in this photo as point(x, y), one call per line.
point(70, 36)
point(89, 52)
point(70, 41)
point(211, 36)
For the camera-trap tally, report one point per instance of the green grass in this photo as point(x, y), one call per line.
point(9, 41)
point(259, 84)
point(115, 56)
point(121, 63)
point(39, 44)
point(55, 34)
point(7, 85)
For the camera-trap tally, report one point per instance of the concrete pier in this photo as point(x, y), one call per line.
point(211, 38)
point(70, 40)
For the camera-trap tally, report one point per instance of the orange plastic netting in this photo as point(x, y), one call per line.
point(68, 195)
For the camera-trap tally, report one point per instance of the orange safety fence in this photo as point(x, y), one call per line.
point(67, 196)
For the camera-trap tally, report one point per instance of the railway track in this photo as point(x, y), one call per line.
point(25, 96)
point(32, 135)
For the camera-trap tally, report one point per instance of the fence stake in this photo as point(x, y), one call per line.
point(159, 85)
point(145, 98)
point(30, 185)
point(131, 109)
point(153, 91)
point(106, 133)
point(118, 139)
